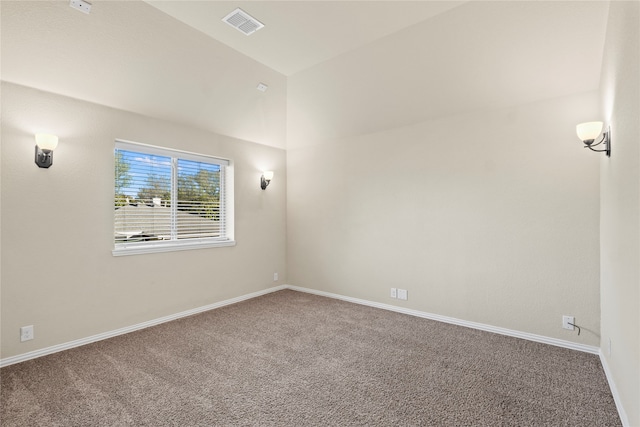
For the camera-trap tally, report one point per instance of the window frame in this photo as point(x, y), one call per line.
point(226, 200)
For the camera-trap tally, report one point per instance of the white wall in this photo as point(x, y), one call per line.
point(130, 56)
point(620, 205)
point(491, 217)
point(482, 54)
point(58, 272)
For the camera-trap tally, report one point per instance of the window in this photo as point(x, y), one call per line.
point(168, 200)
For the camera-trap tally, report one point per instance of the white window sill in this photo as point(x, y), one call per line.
point(137, 249)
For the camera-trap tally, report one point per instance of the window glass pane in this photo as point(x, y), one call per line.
point(142, 197)
point(199, 200)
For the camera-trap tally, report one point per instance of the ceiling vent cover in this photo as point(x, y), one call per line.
point(243, 21)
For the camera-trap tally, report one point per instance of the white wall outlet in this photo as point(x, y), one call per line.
point(403, 294)
point(81, 5)
point(275, 277)
point(26, 333)
point(566, 322)
point(394, 293)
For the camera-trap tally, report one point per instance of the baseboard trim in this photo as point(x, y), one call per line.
point(481, 326)
point(489, 328)
point(614, 390)
point(110, 334)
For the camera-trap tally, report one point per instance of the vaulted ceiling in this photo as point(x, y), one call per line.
point(300, 34)
point(334, 68)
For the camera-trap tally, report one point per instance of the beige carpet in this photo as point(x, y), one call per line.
point(294, 359)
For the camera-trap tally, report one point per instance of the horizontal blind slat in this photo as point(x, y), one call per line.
point(143, 196)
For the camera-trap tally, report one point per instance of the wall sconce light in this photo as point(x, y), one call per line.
point(265, 179)
point(45, 144)
point(588, 132)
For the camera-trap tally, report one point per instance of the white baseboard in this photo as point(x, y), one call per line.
point(454, 321)
point(614, 390)
point(503, 331)
point(110, 334)
point(105, 335)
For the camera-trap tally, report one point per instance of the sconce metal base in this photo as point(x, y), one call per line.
point(44, 158)
point(264, 183)
point(606, 140)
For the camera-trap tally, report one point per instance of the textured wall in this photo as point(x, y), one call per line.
point(58, 273)
point(130, 56)
point(483, 54)
point(491, 217)
point(620, 206)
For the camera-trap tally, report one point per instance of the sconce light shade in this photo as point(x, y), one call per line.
point(46, 141)
point(265, 179)
point(588, 132)
point(45, 144)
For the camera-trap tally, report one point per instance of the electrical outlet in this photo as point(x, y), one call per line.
point(275, 277)
point(394, 293)
point(26, 333)
point(566, 322)
point(403, 294)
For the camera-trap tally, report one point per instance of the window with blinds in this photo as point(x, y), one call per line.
point(170, 200)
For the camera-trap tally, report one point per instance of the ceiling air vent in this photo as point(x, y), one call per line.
point(243, 21)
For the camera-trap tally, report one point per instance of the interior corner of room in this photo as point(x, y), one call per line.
point(428, 165)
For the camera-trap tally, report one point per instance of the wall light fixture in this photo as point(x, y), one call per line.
point(265, 179)
point(45, 144)
point(588, 132)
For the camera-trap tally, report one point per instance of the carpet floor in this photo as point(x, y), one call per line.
point(295, 359)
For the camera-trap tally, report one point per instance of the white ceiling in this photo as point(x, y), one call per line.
point(334, 68)
point(300, 34)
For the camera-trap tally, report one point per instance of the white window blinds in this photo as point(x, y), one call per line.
point(167, 200)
